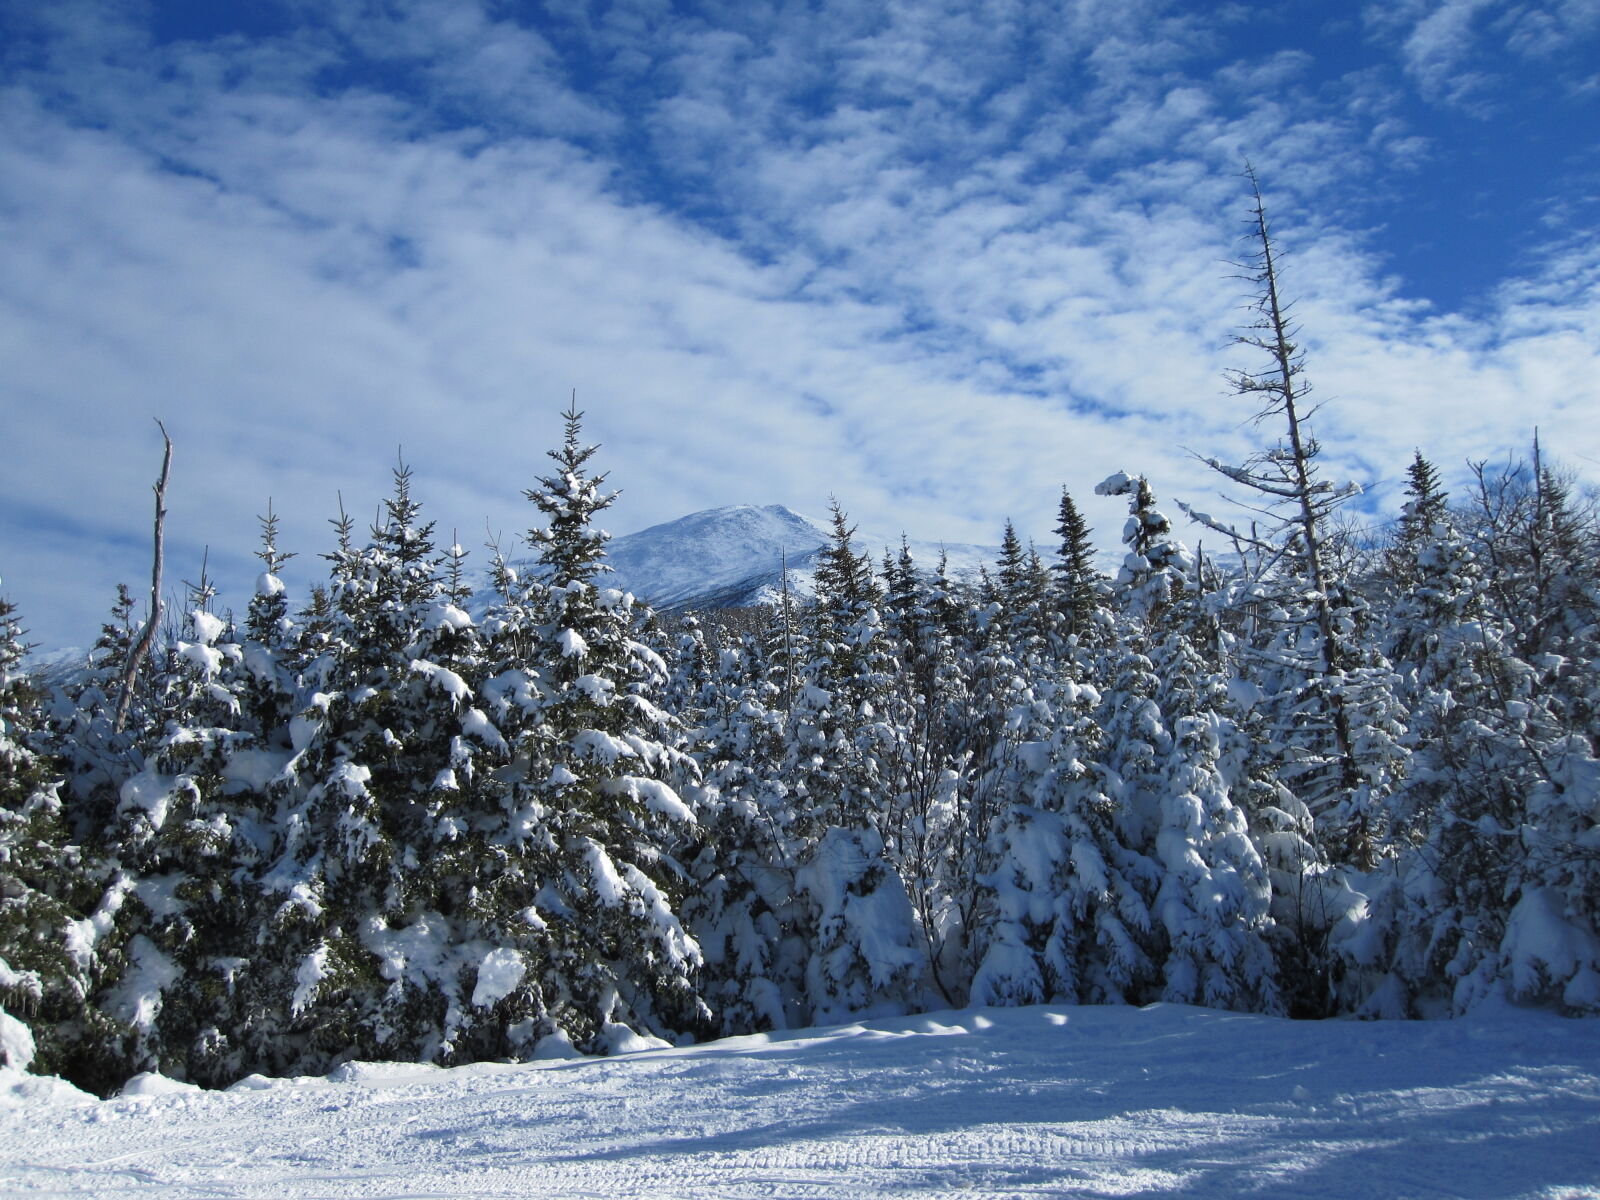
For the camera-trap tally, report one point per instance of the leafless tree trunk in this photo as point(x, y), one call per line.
point(141, 648)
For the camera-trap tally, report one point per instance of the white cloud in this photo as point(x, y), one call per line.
point(884, 253)
point(1458, 52)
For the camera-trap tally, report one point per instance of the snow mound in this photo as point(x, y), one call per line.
point(16, 1039)
point(152, 1084)
point(619, 1039)
point(381, 1073)
point(19, 1090)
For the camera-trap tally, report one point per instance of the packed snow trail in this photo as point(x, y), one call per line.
point(1057, 1101)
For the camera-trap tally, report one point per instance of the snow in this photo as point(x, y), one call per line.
point(1118, 484)
point(445, 679)
point(16, 1040)
point(1043, 1101)
point(556, 1047)
point(499, 974)
point(204, 658)
point(476, 724)
point(595, 745)
point(619, 1039)
point(351, 779)
point(658, 797)
point(21, 1092)
point(253, 770)
point(1543, 946)
point(308, 977)
point(150, 1083)
point(150, 792)
point(608, 886)
point(446, 616)
point(208, 627)
point(137, 998)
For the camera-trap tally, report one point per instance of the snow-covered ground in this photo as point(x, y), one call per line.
point(1030, 1102)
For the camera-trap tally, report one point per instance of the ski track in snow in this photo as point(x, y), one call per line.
point(1031, 1102)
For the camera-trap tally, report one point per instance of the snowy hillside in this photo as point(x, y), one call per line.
point(1164, 1101)
point(731, 557)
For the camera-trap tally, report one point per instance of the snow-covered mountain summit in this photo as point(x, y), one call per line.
point(733, 556)
point(718, 558)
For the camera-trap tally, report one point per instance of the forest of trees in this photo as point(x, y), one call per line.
point(1321, 773)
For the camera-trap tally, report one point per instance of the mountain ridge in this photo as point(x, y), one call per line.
point(734, 556)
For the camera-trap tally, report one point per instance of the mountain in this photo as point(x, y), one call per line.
point(718, 558)
point(732, 557)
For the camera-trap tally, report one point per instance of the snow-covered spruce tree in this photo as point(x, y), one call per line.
point(189, 834)
point(690, 686)
point(226, 1019)
point(594, 775)
point(1067, 914)
point(1022, 593)
point(1138, 741)
point(1216, 892)
point(263, 681)
point(1426, 505)
point(99, 761)
point(928, 834)
point(48, 969)
point(843, 668)
point(362, 958)
point(1077, 583)
point(1538, 539)
point(742, 908)
point(1213, 894)
point(1534, 538)
point(984, 740)
point(844, 744)
point(1495, 888)
point(96, 757)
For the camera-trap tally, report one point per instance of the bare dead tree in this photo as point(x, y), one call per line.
point(141, 648)
point(788, 645)
point(1298, 508)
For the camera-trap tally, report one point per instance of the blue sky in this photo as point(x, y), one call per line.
point(935, 259)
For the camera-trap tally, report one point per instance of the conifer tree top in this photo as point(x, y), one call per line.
point(569, 498)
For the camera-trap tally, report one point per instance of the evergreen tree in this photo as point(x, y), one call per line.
point(1166, 726)
point(1077, 581)
point(1070, 914)
point(742, 908)
point(846, 743)
point(1493, 891)
point(361, 950)
point(49, 969)
point(595, 774)
point(1426, 506)
point(189, 835)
